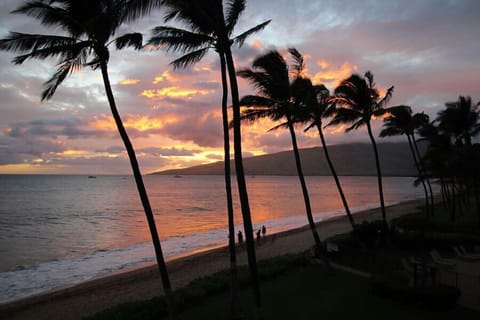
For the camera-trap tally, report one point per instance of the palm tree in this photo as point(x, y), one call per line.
point(358, 100)
point(319, 105)
point(460, 121)
point(400, 121)
point(277, 98)
point(88, 26)
point(208, 29)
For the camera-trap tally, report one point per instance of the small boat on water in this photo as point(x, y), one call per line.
point(92, 177)
point(177, 176)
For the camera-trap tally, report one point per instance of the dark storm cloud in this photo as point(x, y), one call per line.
point(17, 151)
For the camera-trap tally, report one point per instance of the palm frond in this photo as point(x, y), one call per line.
point(43, 46)
point(400, 110)
point(50, 15)
point(386, 98)
point(254, 114)
point(261, 81)
point(345, 115)
point(274, 70)
point(346, 101)
point(390, 131)
point(283, 125)
point(65, 68)
point(129, 40)
point(355, 125)
point(198, 15)
point(240, 39)
point(23, 42)
point(299, 63)
point(256, 102)
point(179, 39)
point(189, 59)
point(369, 77)
point(233, 11)
point(135, 9)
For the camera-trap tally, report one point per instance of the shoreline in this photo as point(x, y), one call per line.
point(143, 282)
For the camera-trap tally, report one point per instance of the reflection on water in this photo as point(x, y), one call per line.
point(43, 218)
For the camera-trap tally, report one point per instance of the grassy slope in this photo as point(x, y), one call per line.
point(309, 293)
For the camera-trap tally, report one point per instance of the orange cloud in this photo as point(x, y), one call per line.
point(331, 76)
point(165, 76)
point(141, 123)
point(257, 44)
point(173, 92)
point(127, 82)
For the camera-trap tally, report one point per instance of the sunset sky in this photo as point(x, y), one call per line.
point(427, 49)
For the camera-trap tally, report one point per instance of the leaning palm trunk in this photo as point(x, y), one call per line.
point(143, 195)
point(379, 173)
point(242, 185)
point(421, 176)
point(335, 176)
point(306, 197)
point(425, 174)
point(235, 307)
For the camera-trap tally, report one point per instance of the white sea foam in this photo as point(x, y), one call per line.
point(59, 273)
point(56, 231)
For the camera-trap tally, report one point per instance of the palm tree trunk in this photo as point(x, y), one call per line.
point(379, 173)
point(306, 197)
point(242, 186)
point(453, 210)
point(143, 195)
point(425, 174)
point(235, 307)
point(420, 174)
point(334, 175)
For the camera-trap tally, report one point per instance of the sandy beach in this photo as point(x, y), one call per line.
point(143, 283)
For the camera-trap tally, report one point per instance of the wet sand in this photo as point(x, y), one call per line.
point(143, 283)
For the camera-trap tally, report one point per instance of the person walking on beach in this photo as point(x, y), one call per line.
point(258, 234)
point(264, 231)
point(240, 237)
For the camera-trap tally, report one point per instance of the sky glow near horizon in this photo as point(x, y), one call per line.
point(427, 49)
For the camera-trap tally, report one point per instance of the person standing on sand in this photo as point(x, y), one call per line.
point(264, 231)
point(258, 234)
point(240, 237)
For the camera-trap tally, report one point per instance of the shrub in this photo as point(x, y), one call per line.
point(372, 234)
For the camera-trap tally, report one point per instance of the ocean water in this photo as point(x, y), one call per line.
point(60, 230)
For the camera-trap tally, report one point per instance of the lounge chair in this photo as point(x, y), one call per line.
point(440, 261)
point(410, 268)
point(463, 254)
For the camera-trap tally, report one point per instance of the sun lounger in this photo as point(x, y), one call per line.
point(462, 253)
point(410, 268)
point(440, 261)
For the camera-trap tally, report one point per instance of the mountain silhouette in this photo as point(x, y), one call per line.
point(353, 159)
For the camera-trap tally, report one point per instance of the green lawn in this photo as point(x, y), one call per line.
point(291, 290)
point(310, 293)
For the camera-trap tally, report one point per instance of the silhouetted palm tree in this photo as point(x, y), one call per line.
point(209, 27)
point(358, 100)
point(460, 121)
point(319, 106)
point(277, 99)
point(400, 121)
point(88, 26)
